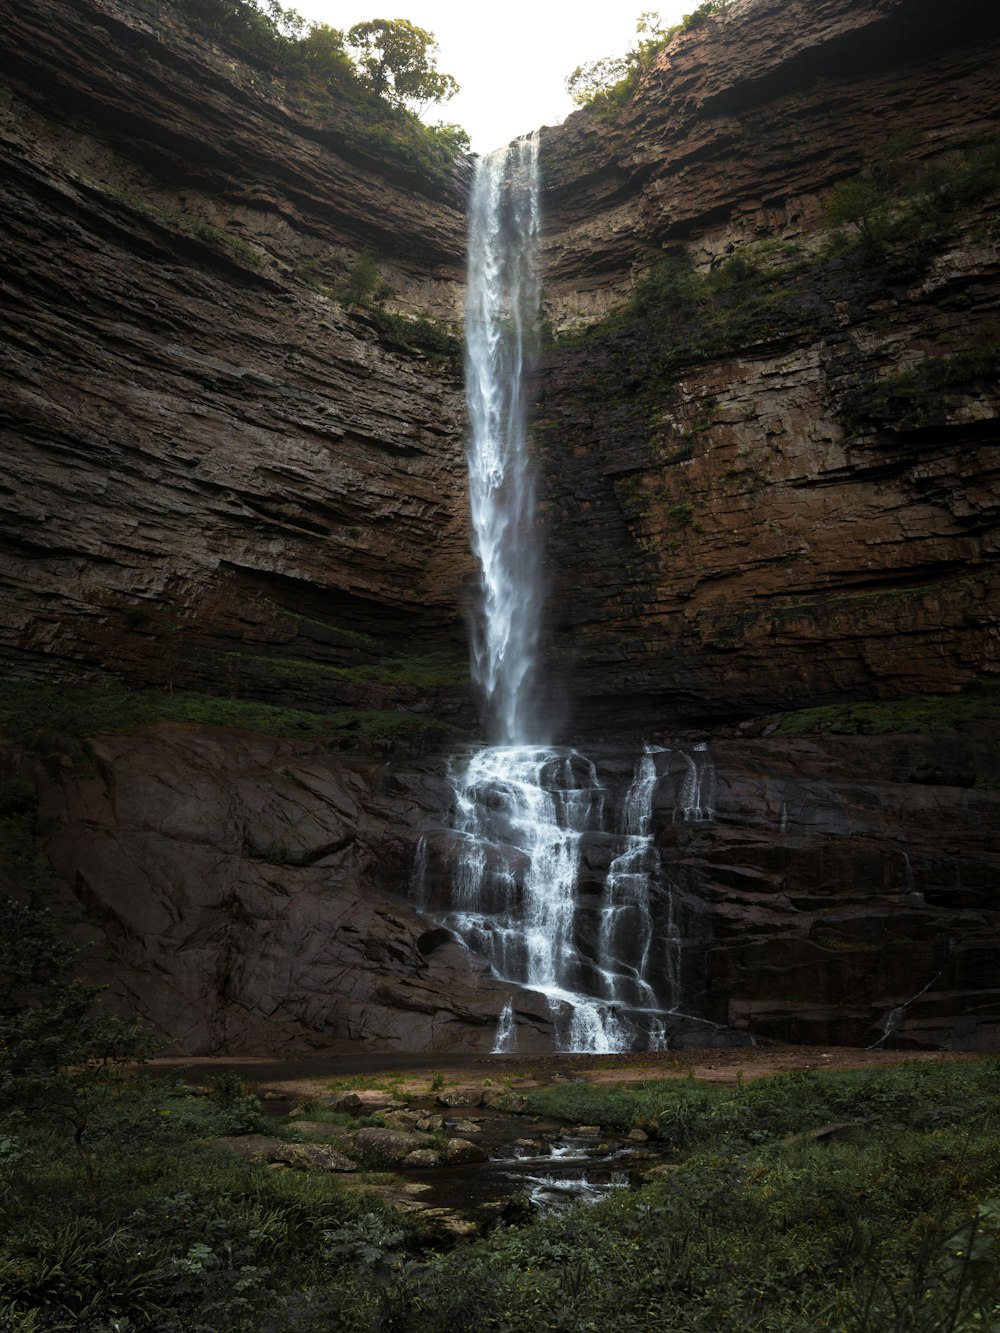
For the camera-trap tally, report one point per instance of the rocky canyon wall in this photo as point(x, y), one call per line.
point(767, 433)
point(770, 445)
point(218, 475)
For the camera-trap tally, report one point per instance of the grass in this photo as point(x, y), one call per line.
point(745, 1227)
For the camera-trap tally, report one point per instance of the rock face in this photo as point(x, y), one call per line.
point(211, 464)
point(774, 483)
point(249, 896)
point(247, 893)
point(769, 482)
point(844, 890)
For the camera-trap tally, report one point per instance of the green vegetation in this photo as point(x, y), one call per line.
point(32, 713)
point(58, 1053)
point(753, 1221)
point(887, 227)
point(365, 289)
point(425, 672)
point(924, 394)
point(918, 712)
point(609, 82)
point(233, 248)
point(398, 61)
point(387, 68)
point(902, 212)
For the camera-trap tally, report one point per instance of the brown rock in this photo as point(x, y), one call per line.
point(460, 1097)
point(312, 1157)
point(496, 1099)
point(383, 1148)
point(460, 1152)
point(319, 1128)
point(422, 1157)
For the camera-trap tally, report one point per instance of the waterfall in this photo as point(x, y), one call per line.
point(533, 820)
point(501, 321)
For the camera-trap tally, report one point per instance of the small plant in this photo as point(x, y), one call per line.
point(364, 287)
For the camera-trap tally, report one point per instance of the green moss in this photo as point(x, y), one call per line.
point(915, 713)
point(426, 672)
point(924, 394)
point(30, 712)
point(233, 248)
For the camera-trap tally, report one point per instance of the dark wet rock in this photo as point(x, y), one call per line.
point(365, 1101)
point(460, 1097)
point(384, 1148)
point(460, 1152)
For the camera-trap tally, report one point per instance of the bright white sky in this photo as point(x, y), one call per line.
point(511, 57)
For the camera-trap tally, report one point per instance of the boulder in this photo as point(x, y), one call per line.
point(460, 1152)
point(422, 1157)
point(312, 1157)
point(467, 1096)
point(386, 1148)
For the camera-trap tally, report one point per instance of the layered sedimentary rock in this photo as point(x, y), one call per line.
point(219, 475)
point(209, 459)
point(786, 493)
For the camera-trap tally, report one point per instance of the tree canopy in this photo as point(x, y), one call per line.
point(398, 61)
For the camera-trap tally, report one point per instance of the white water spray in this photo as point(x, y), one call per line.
point(501, 321)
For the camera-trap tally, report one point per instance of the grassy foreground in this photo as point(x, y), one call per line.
point(750, 1222)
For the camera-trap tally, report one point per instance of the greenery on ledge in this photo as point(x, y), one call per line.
point(605, 84)
point(385, 67)
point(924, 394)
point(976, 703)
point(31, 712)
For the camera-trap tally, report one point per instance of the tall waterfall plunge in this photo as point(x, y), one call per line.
point(501, 321)
point(556, 879)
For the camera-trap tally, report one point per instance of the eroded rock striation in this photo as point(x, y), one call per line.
point(771, 475)
point(250, 895)
point(211, 461)
point(766, 424)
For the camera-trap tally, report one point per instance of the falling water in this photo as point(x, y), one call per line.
point(501, 320)
point(610, 968)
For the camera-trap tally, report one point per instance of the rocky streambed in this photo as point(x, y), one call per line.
point(469, 1157)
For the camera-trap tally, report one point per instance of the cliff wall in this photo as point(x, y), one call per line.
point(213, 464)
point(766, 420)
point(770, 444)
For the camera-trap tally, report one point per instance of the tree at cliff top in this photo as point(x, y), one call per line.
point(391, 77)
point(398, 61)
point(611, 80)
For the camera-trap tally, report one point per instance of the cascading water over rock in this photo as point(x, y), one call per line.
point(532, 818)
